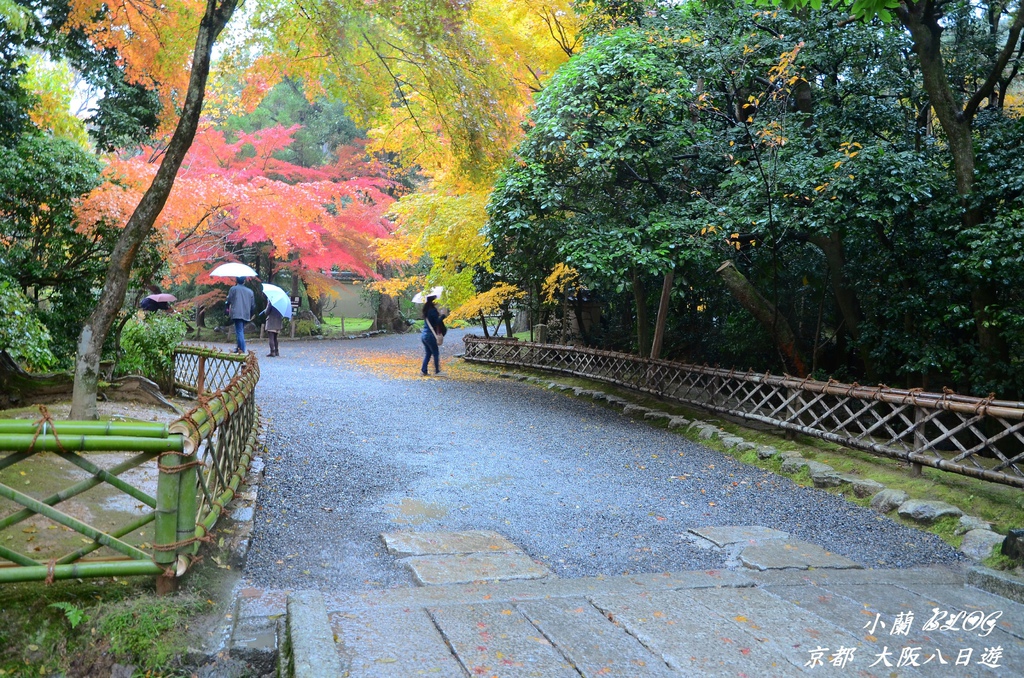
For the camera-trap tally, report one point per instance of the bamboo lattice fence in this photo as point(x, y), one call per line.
point(977, 437)
point(198, 462)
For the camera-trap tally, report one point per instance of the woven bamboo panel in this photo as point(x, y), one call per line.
point(226, 447)
point(216, 368)
point(977, 437)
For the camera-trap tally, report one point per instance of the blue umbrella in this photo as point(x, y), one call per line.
point(279, 299)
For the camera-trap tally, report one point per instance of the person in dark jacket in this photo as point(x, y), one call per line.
point(274, 323)
point(432, 327)
point(240, 308)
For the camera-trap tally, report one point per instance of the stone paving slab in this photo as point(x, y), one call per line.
point(783, 629)
point(859, 616)
point(497, 640)
point(593, 644)
point(690, 638)
point(403, 544)
point(711, 623)
point(792, 554)
point(431, 570)
point(891, 601)
point(923, 576)
point(970, 600)
point(393, 643)
point(537, 589)
point(725, 535)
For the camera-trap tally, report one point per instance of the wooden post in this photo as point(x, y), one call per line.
point(919, 439)
point(295, 301)
point(201, 377)
point(343, 324)
point(659, 328)
point(790, 412)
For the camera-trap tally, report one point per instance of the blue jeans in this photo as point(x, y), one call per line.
point(431, 348)
point(240, 334)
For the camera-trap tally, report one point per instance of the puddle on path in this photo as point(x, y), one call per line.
point(415, 512)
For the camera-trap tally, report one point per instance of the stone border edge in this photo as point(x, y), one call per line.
point(996, 582)
point(307, 646)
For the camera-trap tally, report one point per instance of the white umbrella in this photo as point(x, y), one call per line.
point(279, 299)
point(421, 297)
point(233, 270)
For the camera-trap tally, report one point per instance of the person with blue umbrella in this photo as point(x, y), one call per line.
point(279, 307)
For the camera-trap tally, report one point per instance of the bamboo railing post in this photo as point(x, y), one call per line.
point(188, 487)
point(167, 489)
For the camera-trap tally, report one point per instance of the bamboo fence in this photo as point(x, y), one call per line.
point(977, 437)
point(201, 459)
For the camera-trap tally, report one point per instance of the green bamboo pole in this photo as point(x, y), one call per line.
point(167, 509)
point(199, 423)
point(125, 568)
point(120, 532)
point(16, 557)
point(14, 458)
point(18, 442)
point(76, 525)
point(210, 353)
point(109, 478)
point(78, 489)
point(129, 429)
point(188, 505)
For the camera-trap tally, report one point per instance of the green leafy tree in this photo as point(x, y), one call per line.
point(148, 342)
point(22, 336)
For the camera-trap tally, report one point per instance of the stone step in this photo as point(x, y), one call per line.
point(713, 623)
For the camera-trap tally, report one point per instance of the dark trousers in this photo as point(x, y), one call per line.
point(240, 334)
point(431, 349)
point(273, 342)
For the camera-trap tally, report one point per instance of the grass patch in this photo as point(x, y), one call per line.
point(352, 325)
point(84, 627)
point(997, 561)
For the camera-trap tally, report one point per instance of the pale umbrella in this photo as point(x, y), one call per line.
point(421, 297)
point(163, 297)
point(279, 299)
point(233, 270)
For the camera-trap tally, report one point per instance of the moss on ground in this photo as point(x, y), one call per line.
point(83, 627)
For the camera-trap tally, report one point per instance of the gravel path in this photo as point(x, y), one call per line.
point(360, 444)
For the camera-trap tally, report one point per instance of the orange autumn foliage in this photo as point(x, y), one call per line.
point(153, 41)
point(236, 192)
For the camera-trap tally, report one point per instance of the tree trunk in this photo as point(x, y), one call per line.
point(642, 330)
point(483, 324)
point(294, 296)
point(94, 332)
point(659, 326)
point(765, 313)
point(922, 20)
point(845, 295)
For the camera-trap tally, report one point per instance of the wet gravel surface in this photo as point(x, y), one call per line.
point(361, 444)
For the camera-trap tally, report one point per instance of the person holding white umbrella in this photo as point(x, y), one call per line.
point(240, 309)
point(241, 300)
point(433, 330)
